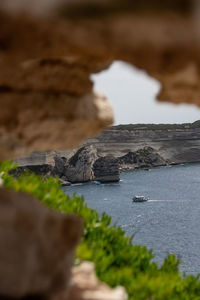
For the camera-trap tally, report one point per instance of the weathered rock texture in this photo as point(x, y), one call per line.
point(32, 121)
point(106, 169)
point(172, 145)
point(36, 246)
point(80, 166)
point(85, 286)
point(121, 147)
point(40, 163)
point(142, 158)
point(46, 96)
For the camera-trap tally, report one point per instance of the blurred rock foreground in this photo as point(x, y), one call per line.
point(48, 50)
point(47, 99)
point(29, 263)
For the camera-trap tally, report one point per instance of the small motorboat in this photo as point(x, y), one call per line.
point(140, 199)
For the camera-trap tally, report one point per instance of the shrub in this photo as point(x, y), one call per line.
point(117, 260)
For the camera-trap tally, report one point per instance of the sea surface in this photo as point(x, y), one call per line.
point(168, 223)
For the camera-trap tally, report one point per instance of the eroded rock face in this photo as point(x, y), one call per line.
point(106, 169)
point(37, 121)
point(36, 246)
point(46, 95)
point(85, 286)
point(146, 157)
point(172, 143)
point(79, 167)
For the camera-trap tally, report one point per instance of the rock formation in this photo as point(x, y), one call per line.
point(106, 169)
point(85, 286)
point(142, 158)
point(45, 86)
point(80, 165)
point(173, 143)
point(36, 246)
point(40, 163)
point(120, 147)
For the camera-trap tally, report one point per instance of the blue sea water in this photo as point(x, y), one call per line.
point(168, 223)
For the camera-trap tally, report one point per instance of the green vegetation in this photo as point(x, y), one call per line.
point(118, 261)
point(157, 126)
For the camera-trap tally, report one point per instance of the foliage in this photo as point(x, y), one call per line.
point(118, 261)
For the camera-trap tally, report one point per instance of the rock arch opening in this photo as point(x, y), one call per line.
point(132, 93)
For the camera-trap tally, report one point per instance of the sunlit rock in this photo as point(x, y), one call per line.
point(47, 121)
point(46, 95)
point(85, 286)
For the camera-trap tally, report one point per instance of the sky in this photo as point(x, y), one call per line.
point(132, 94)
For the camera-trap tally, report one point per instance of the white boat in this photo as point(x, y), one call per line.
point(140, 199)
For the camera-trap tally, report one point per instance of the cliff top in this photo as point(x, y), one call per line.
point(130, 127)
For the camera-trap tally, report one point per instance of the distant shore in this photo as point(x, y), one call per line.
point(122, 147)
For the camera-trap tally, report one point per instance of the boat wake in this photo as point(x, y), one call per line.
point(157, 200)
point(165, 200)
point(77, 184)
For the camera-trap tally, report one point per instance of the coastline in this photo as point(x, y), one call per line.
point(129, 147)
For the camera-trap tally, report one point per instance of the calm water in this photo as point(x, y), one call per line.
point(168, 223)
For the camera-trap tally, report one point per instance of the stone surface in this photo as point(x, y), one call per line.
point(41, 170)
point(36, 246)
point(172, 145)
point(40, 163)
point(85, 286)
point(46, 93)
point(146, 157)
point(60, 166)
point(33, 121)
point(106, 169)
point(80, 165)
point(100, 158)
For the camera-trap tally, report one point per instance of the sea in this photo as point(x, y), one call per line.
point(168, 223)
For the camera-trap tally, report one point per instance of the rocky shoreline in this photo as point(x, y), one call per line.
point(85, 165)
point(117, 149)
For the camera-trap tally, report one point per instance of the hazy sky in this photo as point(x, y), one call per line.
point(132, 94)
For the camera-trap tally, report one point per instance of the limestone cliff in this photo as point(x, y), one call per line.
point(174, 143)
point(79, 166)
point(146, 157)
point(119, 148)
point(106, 169)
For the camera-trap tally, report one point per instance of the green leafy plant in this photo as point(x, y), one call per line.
point(117, 260)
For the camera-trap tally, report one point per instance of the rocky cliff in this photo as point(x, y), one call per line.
point(119, 148)
point(146, 157)
point(80, 165)
point(106, 169)
point(173, 143)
